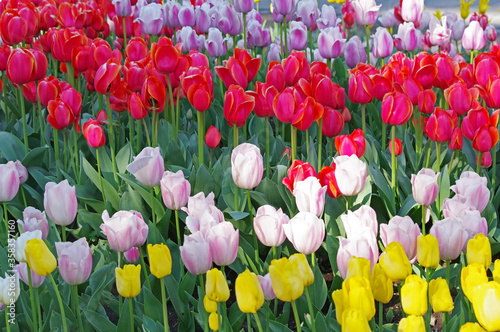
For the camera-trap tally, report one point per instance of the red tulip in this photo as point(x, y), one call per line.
point(14, 27)
point(333, 122)
point(102, 117)
point(447, 71)
point(396, 108)
point(327, 178)
point(460, 98)
point(41, 64)
point(106, 76)
point(467, 74)
point(297, 172)
point(360, 87)
point(412, 89)
point(295, 67)
point(47, 16)
point(93, 133)
point(101, 52)
point(73, 99)
point(80, 58)
point(136, 50)
point(165, 55)
point(440, 126)
point(348, 15)
point(306, 113)
point(154, 94)
point(457, 140)
point(382, 84)
point(284, 105)
point(475, 119)
point(237, 106)
point(264, 95)
point(48, 89)
point(491, 93)
point(486, 160)
point(486, 137)
point(60, 115)
point(301, 90)
point(398, 146)
point(119, 97)
point(129, 25)
point(424, 69)
point(183, 64)
point(201, 60)
point(347, 145)
point(4, 56)
point(319, 68)
point(134, 74)
point(212, 137)
point(197, 84)
point(136, 106)
point(240, 69)
point(29, 92)
point(21, 66)
point(326, 92)
point(346, 114)
point(485, 65)
point(275, 76)
point(67, 14)
point(426, 101)
point(65, 41)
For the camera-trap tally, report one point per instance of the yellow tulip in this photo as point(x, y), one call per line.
point(471, 327)
point(465, 7)
point(216, 286)
point(395, 262)
point(412, 324)
point(128, 280)
point(340, 303)
point(210, 306)
point(354, 321)
point(285, 277)
point(306, 273)
point(486, 303)
point(357, 294)
point(381, 285)
point(359, 266)
point(440, 296)
point(479, 251)
point(160, 260)
point(39, 257)
point(214, 321)
point(483, 6)
point(471, 276)
point(496, 271)
point(428, 251)
point(249, 294)
point(414, 296)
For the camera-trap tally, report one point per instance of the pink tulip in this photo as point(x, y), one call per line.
point(22, 270)
point(175, 190)
point(268, 225)
point(406, 39)
point(22, 171)
point(74, 260)
point(223, 240)
point(351, 174)
point(440, 34)
point(424, 186)
point(451, 236)
point(355, 223)
point(382, 43)
point(456, 206)
point(59, 201)
point(267, 287)
point(202, 213)
point(331, 42)
point(474, 187)
point(132, 255)
point(124, 230)
point(310, 196)
point(196, 254)
point(148, 167)
point(306, 232)
point(298, 36)
point(402, 230)
point(198, 204)
point(412, 10)
point(474, 224)
point(9, 181)
point(364, 245)
point(34, 219)
point(473, 37)
point(366, 11)
point(247, 166)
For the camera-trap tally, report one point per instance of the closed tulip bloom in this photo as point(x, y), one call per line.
point(395, 262)
point(473, 37)
point(362, 245)
point(359, 266)
point(209, 305)
point(9, 289)
point(214, 321)
point(123, 7)
point(363, 218)
point(357, 294)
point(354, 52)
point(21, 66)
point(34, 219)
point(249, 294)
point(428, 251)
point(339, 303)
point(412, 11)
point(22, 171)
point(268, 225)
point(473, 186)
point(486, 303)
point(479, 251)
point(128, 280)
point(354, 320)
point(216, 286)
point(360, 87)
point(284, 7)
point(306, 232)
point(212, 137)
point(267, 287)
point(306, 272)
point(132, 255)
point(485, 139)
point(107, 76)
point(286, 280)
point(9, 181)
point(396, 108)
point(298, 36)
point(382, 43)
point(406, 39)
point(398, 146)
point(74, 260)
point(402, 230)
point(223, 239)
point(214, 43)
point(21, 241)
point(451, 236)
point(496, 271)
point(22, 270)
point(148, 167)
point(175, 189)
point(472, 276)
point(351, 174)
point(310, 196)
point(412, 323)
point(39, 257)
point(160, 260)
point(298, 171)
point(124, 230)
point(94, 134)
point(59, 201)
point(151, 18)
point(238, 105)
point(331, 42)
point(381, 284)
point(195, 253)
point(247, 166)
point(440, 125)
point(414, 295)
point(471, 327)
point(366, 11)
point(424, 186)
point(440, 296)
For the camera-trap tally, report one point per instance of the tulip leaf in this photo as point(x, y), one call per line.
point(175, 154)
point(172, 289)
point(56, 320)
point(332, 247)
point(123, 158)
point(152, 307)
point(35, 157)
point(236, 317)
point(150, 325)
point(444, 187)
point(100, 280)
point(111, 194)
point(146, 194)
point(275, 326)
point(384, 189)
point(204, 181)
point(271, 192)
point(320, 322)
point(98, 321)
point(407, 205)
point(124, 317)
point(11, 147)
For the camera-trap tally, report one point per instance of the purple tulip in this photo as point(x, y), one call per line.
point(151, 19)
point(274, 53)
point(366, 11)
point(9, 181)
point(406, 38)
point(307, 12)
point(223, 240)
point(331, 43)
point(175, 190)
point(172, 9)
point(283, 7)
point(424, 186)
point(278, 18)
point(382, 43)
point(214, 43)
point(243, 6)
point(254, 15)
point(256, 36)
point(124, 230)
point(388, 20)
point(74, 260)
point(451, 236)
point(123, 7)
point(355, 223)
point(187, 16)
point(364, 245)
point(267, 287)
point(474, 187)
point(457, 30)
point(490, 33)
point(306, 232)
point(402, 230)
point(22, 171)
point(328, 18)
point(148, 167)
point(132, 255)
point(473, 37)
point(195, 254)
point(247, 166)
point(297, 38)
point(412, 10)
point(190, 40)
point(310, 196)
point(268, 225)
point(203, 19)
point(22, 270)
point(59, 201)
point(34, 219)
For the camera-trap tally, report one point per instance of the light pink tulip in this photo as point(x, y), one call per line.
point(148, 167)
point(34, 219)
point(268, 225)
point(331, 42)
point(456, 206)
point(366, 11)
point(132, 255)
point(357, 222)
point(412, 10)
point(388, 20)
point(451, 236)
point(306, 232)
point(297, 38)
point(124, 230)
point(22, 270)
point(473, 37)
point(424, 186)
point(9, 181)
point(351, 174)
point(74, 260)
point(247, 166)
point(474, 187)
point(223, 240)
point(382, 43)
point(402, 230)
point(474, 224)
point(175, 190)
point(310, 196)
point(490, 33)
point(364, 245)
point(267, 287)
point(59, 201)
point(202, 213)
point(439, 32)
point(22, 171)
point(195, 254)
point(406, 39)
point(328, 17)
point(20, 245)
point(198, 204)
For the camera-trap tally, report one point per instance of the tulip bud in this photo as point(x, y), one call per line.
point(351, 174)
point(381, 285)
point(414, 296)
point(479, 250)
point(451, 237)
point(216, 286)
point(473, 37)
point(223, 239)
point(357, 293)
point(268, 225)
point(214, 321)
point(267, 287)
point(359, 266)
point(306, 232)
point(160, 261)
point(425, 187)
point(195, 253)
point(286, 280)
point(247, 166)
point(310, 196)
point(212, 137)
point(124, 230)
point(175, 190)
point(486, 304)
point(9, 181)
point(366, 12)
point(306, 273)
point(132, 255)
point(395, 262)
point(209, 305)
point(471, 327)
point(471, 276)
point(412, 324)
point(39, 257)
point(440, 296)
point(382, 43)
point(148, 166)
point(94, 134)
point(428, 251)
point(354, 320)
point(398, 146)
point(249, 294)
point(128, 280)
point(74, 260)
point(9, 290)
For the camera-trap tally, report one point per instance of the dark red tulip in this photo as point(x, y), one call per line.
point(333, 122)
point(80, 58)
point(129, 26)
point(486, 160)
point(237, 106)
point(102, 117)
point(396, 108)
point(447, 71)
point(73, 99)
point(212, 137)
point(197, 84)
point(47, 15)
point(4, 56)
point(346, 114)
point(440, 126)
point(327, 178)
point(21, 66)
point(41, 64)
point(347, 145)
point(240, 69)
point(382, 84)
point(426, 101)
point(165, 55)
point(93, 133)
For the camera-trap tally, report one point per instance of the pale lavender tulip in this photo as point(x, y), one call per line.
point(22, 171)
point(195, 254)
point(297, 38)
point(175, 190)
point(307, 12)
point(474, 224)
point(439, 32)
point(132, 255)
point(247, 166)
point(424, 22)
point(317, 56)
point(457, 30)
point(451, 18)
point(456, 206)
point(382, 43)
point(388, 20)
point(412, 10)
point(268, 225)
point(354, 52)
point(490, 33)
point(124, 230)
point(254, 15)
point(283, 7)
point(451, 237)
point(9, 289)
point(256, 36)
point(148, 167)
point(151, 19)
point(33, 220)
point(123, 7)
point(267, 287)
point(473, 37)
point(355, 223)
point(223, 240)
point(59, 201)
point(366, 11)
point(214, 44)
point(74, 260)
point(187, 15)
point(331, 43)
point(278, 18)
point(328, 18)
point(474, 187)
point(306, 232)
point(172, 9)
point(402, 230)
point(189, 39)
point(274, 53)
point(9, 181)
point(406, 38)
point(202, 18)
point(21, 240)
point(364, 246)
point(22, 270)
point(202, 213)
point(424, 186)
point(243, 6)
point(310, 196)
point(198, 204)
point(351, 174)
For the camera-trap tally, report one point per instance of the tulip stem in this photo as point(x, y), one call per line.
point(76, 305)
point(40, 119)
point(394, 164)
point(311, 309)
point(201, 132)
point(471, 56)
point(59, 300)
point(144, 269)
point(138, 136)
point(363, 119)
point(124, 35)
point(320, 142)
point(39, 310)
point(424, 210)
point(478, 166)
point(33, 311)
point(367, 45)
point(257, 320)
point(111, 137)
point(23, 113)
point(235, 135)
point(254, 235)
point(384, 136)
point(131, 310)
point(294, 142)
point(176, 212)
point(296, 315)
point(6, 218)
point(438, 154)
point(130, 130)
point(284, 37)
point(153, 217)
point(493, 171)
point(7, 319)
point(164, 304)
point(330, 145)
point(202, 297)
point(267, 147)
point(6, 108)
point(175, 126)
point(100, 179)
point(245, 30)
point(249, 323)
point(147, 134)
point(63, 233)
point(380, 317)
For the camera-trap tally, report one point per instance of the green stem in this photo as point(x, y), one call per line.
point(76, 154)
point(40, 118)
point(257, 320)
point(363, 118)
point(59, 300)
point(367, 45)
point(124, 35)
point(37, 300)
point(153, 217)
point(384, 136)
point(65, 144)
point(23, 112)
point(394, 164)
point(320, 142)
point(147, 133)
point(177, 227)
point(131, 129)
point(202, 296)
point(164, 304)
point(285, 36)
point(143, 263)
point(131, 310)
point(255, 240)
point(493, 171)
point(245, 30)
point(438, 154)
point(249, 323)
point(71, 74)
point(6, 218)
point(380, 317)
point(267, 148)
point(32, 299)
point(311, 310)
point(471, 57)
point(307, 141)
point(63, 233)
point(235, 135)
point(478, 167)
point(111, 135)
point(201, 135)
point(76, 302)
point(424, 208)
point(330, 145)
point(154, 134)
point(175, 126)
point(428, 157)
point(296, 315)
point(7, 319)
point(220, 309)
point(100, 179)
point(294, 142)
point(21, 187)
point(138, 136)
point(6, 108)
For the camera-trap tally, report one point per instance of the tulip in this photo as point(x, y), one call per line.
point(21, 241)
point(486, 303)
point(59, 201)
point(196, 254)
point(396, 108)
point(402, 230)
point(21, 66)
point(295, 67)
point(356, 222)
point(490, 33)
point(249, 294)
point(223, 240)
point(74, 260)
point(474, 187)
point(209, 305)
point(165, 55)
point(406, 39)
point(9, 181)
point(39, 257)
point(124, 230)
point(298, 171)
point(132, 255)
point(451, 237)
point(22, 171)
point(305, 231)
point(197, 84)
point(471, 327)
point(395, 262)
point(412, 11)
point(237, 106)
point(160, 261)
point(412, 324)
point(479, 250)
point(286, 280)
point(216, 286)
point(398, 146)
point(151, 18)
point(424, 186)
point(175, 189)
point(247, 166)
point(107, 76)
point(473, 37)
point(310, 196)
point(428, 251)
point(9, 289)
point(333, 122)
point(268, 225)
point(240, 69)
point(354, 52)
point(214, 43)
point(34, 219)
point(382, 43)
point(485, 139)
point(459, 98)
point(212, 137)
point(381, 285)
point(351, 174)
point(360, 87)
point(327, 178)
point(363, 245)
point(359, 266)
point(357, 294)
point(348, 145)
point(439, 32)
point(214, 321)
point(122, 7)
point(354, 320)
point(148, 167)
point(496, 271)
point(331, 42)
point(472, 276)
point(22, 271)
point(283, 7)
point(440, 296)
point(366, 11)
point(414, 296)
point(267, 287)
point(94, 134)
point(128, 280)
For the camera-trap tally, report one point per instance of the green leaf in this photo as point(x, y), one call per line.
point(111, 194)
point(150, 325)
point(204, 181)
point(384, 189)
point(98, 321)
point(35, 157)
point(11, 147)
point(153, 308)
point(175, 155)
point(172, 289)
point(123, 158)
point(124, 318)
point(278, 327)
point(146, 194)
point(444, 186)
